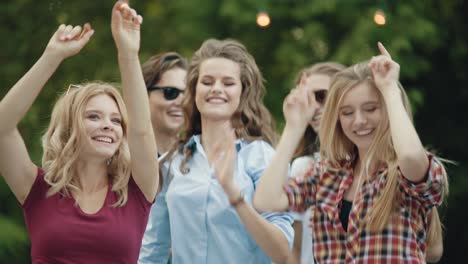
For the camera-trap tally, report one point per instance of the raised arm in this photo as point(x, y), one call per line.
point(15, 164)
point(412, 158)
point(298, 108)
point(142, 144)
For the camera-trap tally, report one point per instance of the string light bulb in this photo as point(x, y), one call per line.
point(379, 17)
point(263, 19)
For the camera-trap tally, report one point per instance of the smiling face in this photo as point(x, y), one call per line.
point(218, 89)
point(167, 115)
point(103, 124)
point(360, 115)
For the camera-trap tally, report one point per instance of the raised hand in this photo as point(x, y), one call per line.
point(125, 26)
point(385, 70)
point(299, 107)
point(224, 163)
point(68, 40)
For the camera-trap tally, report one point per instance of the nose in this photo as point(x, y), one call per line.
point(216, 87)
point(360, 119)
point(179, 99)
point(107, 125)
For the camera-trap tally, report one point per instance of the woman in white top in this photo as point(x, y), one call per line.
point(316, 79)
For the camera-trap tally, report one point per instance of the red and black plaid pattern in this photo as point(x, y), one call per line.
point(403, 238)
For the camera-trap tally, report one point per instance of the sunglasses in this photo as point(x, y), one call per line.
point(320, 96)
point(170, 93)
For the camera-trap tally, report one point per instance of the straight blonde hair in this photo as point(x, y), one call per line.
point(336, 147)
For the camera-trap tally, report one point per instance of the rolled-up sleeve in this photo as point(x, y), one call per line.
point(430, 191)
point(156, 242)
point(300, 193)
point(257, 159)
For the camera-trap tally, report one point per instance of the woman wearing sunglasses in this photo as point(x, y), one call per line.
point(88, 203)
point(314, 79)
point(371, 158)
point(165, 75)
point(206, 214)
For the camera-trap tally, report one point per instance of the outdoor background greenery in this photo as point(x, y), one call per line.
point(427, 38)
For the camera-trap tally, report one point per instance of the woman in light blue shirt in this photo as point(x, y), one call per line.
point(204, 211)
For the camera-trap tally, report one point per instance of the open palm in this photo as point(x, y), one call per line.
point(224, 164)
point(299, 107)
point(125, 26)
point(68, 40)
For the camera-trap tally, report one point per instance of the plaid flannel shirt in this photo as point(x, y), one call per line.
point(401, 241)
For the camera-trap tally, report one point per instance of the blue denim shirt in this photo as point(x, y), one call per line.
point(192, 213)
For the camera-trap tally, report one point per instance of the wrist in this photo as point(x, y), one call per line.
point(128, 56)
point(52, 58)
point(389, 86)
point(238, 200)
point(391, 91)
point(293, 134)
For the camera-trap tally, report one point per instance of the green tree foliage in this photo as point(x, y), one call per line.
point(427, 38)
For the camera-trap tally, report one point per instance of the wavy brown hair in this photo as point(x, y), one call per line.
point(336, 147)
point(65, 137)
point(252, 120)
point(309, 142)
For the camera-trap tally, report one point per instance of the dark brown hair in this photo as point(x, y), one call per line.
point(158, 64)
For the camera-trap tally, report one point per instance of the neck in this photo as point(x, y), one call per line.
point(360, 166)
point(213, 135)
point(92, 175)
point(164, 139)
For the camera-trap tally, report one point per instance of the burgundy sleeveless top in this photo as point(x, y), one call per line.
point(61, 232)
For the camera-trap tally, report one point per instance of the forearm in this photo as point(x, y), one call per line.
point(269, 237)
point(134, 93)
point(295, 255)
point(412, 157)
point(271, 183)
point(141, 140)
point(21, 96)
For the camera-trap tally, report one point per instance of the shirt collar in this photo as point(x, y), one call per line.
point(194, 143)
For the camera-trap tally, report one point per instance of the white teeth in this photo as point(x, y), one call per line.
point(363, 132)
point(104, 139)
point(175, 113)
point(216, 100)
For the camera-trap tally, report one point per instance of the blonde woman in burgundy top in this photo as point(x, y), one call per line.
point(88, 203)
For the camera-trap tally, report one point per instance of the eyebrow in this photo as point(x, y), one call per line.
point(223, 78)
point(100, 112)
point(364, 104)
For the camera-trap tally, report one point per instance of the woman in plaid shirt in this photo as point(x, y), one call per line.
point(373, 193)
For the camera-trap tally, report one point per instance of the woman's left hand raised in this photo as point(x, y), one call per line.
point(125, 26)
point(386, 71)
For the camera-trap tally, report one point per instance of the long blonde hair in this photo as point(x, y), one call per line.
point(336, 147)
point(65, 138)
point(252, 119)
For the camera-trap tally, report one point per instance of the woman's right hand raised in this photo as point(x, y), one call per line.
point(299, 107)
point(68, 40)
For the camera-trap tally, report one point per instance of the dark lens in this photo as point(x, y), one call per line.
point(320, 96)
point(171, 93)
